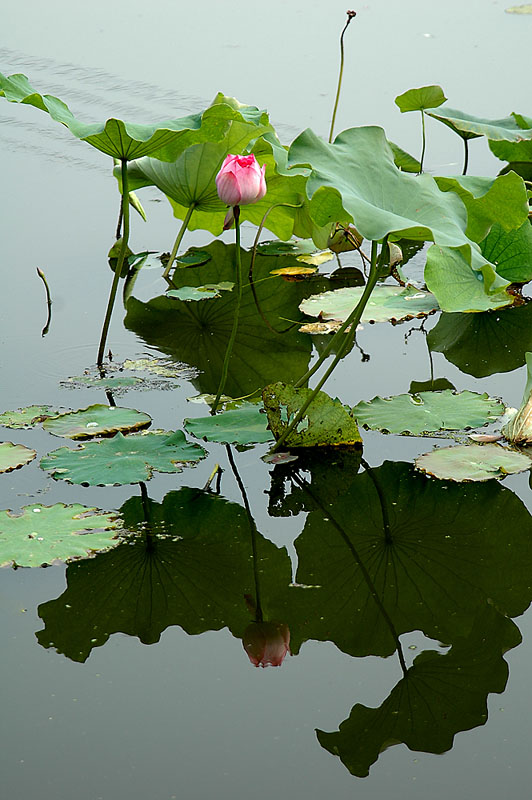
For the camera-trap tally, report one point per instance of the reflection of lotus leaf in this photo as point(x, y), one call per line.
point(190, 565)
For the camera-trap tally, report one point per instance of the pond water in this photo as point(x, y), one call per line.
point(172, 708)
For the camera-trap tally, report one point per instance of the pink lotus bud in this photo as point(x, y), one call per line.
point(240, 181)
point(266, 643)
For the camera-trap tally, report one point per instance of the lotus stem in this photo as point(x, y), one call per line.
point(423, 141)
point(229, 349)
point(353, 320)
point(119, 265)
point(350, 15)
point(177, 242)
point(466, 156)
point(42, 276)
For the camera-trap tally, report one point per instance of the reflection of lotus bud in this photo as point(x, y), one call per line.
point(266, 643)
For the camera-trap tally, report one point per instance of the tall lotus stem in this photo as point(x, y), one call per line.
point(466, 156)
point(423, 141)
point(229, 349)
point(120, 262)
point(177, 242)
point(353, 320)
point(350, 15)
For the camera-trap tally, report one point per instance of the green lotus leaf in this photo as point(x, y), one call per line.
point(261, 354)
point(128, 141)
point(326, 422)
point(428, 412)
point(192, 258)
point(482, 344)
point(96, 420)
point(294, 247)
point(459, 288)
point(420, 99)
point(386, 304)
point(247, 424)
point(440, 695)
point(42, 535)
point(510, 252)
point(189, 562)
point(403, 160)
point(110, 383)
point(123, 459)
point(502, 201)
point(207, 292)
point(27, 417)
point(14, 456)
point(432, 385)
point(470, 127)
point(472, 462)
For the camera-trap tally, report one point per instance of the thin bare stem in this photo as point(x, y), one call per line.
point(42, 276)
point(177, 242)
point(423, 140)
point(350, 15)
point(466, 156)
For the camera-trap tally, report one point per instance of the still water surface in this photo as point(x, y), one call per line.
point(189, 717)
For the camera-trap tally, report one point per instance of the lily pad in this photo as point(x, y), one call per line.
point(294, 247)
point(192, 258)
point(326, 422)
point(206, 292)
point(289, 272)
point(472, 462)
point(108, 383)
point(96, 420)
point(159, 366)
point(420, 99)
point(428, 412)
point(247, 424)
point(386, 304)
point(123, 459)
point(42, 535)
point(14, 456)
point(27, 417)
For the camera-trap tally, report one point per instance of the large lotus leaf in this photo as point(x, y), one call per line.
point(247, 424)
point(395, 551)
point(386, 304)
point(502, 200)
point(27, 417)
point(510, 251)
point(96, 420)
point(428, 412)
point(13, 456)
point(471, 462)
point(198, 333)
point(190, 564)
point(124, 140)
point(459, 288)
point(420, 99)
point(482, 344)
point(123, 459)
point(403, 160)
point(470, 127)
point(326, 421)
point(439, 696)
point(42, 535)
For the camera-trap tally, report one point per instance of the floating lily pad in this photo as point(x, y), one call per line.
point(123, 459)
point(247, 424)
point(27, 417)
point(206, 292)
point(472, 462)
point(96, 420)
point(193, 258)
point(315, 259)
point(112, 383)
point(428, 412)
point(13, 456)
point(289, 272)
point(45, 534)
point(160, 366)
point(386, 304)
point(326, 422)
point(293, 248)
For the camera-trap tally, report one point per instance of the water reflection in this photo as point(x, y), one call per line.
point(381, 552)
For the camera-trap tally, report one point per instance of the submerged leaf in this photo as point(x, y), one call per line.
point(472, 462)
point(42, 535)
point(326, 422)
point(14, 456)
point(123, 459)
point(428, 412)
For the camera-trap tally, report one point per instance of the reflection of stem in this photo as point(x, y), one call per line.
point(253, 532)
point(119, 264)
point(353, 320)
point(145, 501)
point(466, 156)
point(177, 242)
point(350, 15)
point(232, 338)
point(42, 276)
point(382, 500)
point(365, 574)
point(423, 137)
